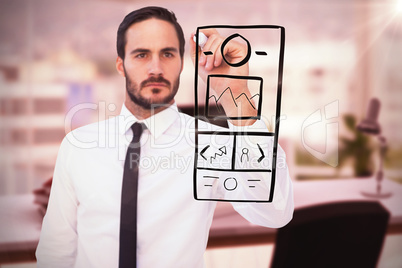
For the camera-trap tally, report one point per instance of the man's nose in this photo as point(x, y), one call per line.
point(155, 67)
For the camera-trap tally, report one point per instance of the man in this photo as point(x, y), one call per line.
point(82, 224)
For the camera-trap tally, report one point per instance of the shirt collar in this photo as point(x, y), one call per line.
point(157, 124)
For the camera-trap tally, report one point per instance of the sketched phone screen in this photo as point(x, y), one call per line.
point(232, 165)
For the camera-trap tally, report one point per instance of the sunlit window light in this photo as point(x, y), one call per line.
point(398, 6)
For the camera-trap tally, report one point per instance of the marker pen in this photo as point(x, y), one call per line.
point(202, 39)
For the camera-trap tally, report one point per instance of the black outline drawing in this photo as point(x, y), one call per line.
point(252, 186)
point(244, 153)
point(261, 53)
point(248, 99)
point(203, 151)
point(230, 189)
point(207, 97)
point(223, 92)
point(209, 177)
point(223, 152)
point(246, 58)
point(262, 154)
point(233, 98)
point(275, 134)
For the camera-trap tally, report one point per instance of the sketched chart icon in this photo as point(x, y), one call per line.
point(231, 165)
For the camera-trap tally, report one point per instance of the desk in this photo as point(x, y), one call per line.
point(229, 228)
point(20, 220)
point(20, 225)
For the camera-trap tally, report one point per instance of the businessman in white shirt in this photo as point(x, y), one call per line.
point(82, 225)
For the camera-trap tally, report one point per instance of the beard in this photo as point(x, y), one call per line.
point(134, 91)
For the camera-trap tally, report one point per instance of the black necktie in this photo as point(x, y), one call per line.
point(128, 216)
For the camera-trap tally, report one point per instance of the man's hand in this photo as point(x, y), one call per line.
point(42, 195)
point(213, 63)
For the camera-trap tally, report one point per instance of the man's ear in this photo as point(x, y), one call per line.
point(120, 66)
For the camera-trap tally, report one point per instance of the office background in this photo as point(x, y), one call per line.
point(57, 72)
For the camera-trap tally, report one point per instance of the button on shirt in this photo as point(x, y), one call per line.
point(81, 226)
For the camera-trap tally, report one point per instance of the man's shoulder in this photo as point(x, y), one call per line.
point(203, 122)
point(89, 136)
point(93, 128)
point(186, 116)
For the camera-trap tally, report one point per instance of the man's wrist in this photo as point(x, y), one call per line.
point(255, 125)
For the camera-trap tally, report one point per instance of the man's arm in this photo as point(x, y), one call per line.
point(280, 211)
point(58, 239)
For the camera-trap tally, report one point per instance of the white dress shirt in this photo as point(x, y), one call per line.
point(81, 226)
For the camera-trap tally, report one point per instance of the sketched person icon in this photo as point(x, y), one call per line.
point(244, 154)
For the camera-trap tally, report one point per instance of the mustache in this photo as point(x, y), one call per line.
point(154, 79)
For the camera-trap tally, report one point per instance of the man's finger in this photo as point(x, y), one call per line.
point(209, 31)
point(211, 47)
point(193, 49)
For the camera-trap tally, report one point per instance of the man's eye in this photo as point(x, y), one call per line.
point(168, 54)
point(140, 55)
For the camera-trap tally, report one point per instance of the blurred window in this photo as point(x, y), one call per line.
point(48, 105)
point(48, 135)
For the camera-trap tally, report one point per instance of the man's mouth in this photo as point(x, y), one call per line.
point(155, 90)
point(155, 84)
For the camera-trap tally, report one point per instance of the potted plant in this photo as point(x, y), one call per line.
point(358, 147)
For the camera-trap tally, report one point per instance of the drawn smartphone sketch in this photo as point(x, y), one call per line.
point(232, 165)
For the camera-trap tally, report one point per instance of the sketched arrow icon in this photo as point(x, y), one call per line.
point(222, 152)
point(203, 151)
point(262, 154)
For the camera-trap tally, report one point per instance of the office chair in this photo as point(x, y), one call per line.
point(344, 234)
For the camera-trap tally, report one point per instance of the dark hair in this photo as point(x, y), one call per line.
point(144, 14)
